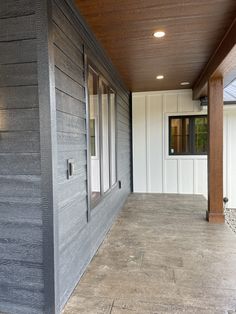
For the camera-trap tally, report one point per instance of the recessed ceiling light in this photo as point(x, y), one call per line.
point(160, 77)
point(184, 83)
point(159, 34)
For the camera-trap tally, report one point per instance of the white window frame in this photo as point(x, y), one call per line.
point(99, 146)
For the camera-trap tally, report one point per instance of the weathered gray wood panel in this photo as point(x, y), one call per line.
point(16, 28)
point(78, 239)
point(19, 97)
point(21, 264)
point(70, 105)
point(68, 47)
point(22, 233)
point(21, 210)
point(16, 8)
point(20, 142)
point(66, 84)
point(71, 142)
point(66, 27)
point(66, 65)
point(18, 74)
point(18, 51)
point(20, 164)
point(19, 120)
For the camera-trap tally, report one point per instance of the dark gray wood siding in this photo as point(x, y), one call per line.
point(78, 238)
point(21, 274)
point(33, 242)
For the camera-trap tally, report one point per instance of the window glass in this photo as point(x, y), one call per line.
point(188, 135)
point(201, 135)
point(113, 137)
point(92, 138)
point(94, 134)
point(105, 138)
point(179, 136)
point(102, 136)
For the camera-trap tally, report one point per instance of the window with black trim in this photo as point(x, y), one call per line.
point(102, 137)
point(188, 135)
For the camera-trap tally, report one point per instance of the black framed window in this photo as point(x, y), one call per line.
point(93, 137)
point(188, 135)
point(102, 135)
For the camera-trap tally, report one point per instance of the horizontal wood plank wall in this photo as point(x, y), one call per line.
point(78, 239)
point(21, 275)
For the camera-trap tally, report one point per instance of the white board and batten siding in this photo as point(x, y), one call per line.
point(230, 154)
point(154, 170)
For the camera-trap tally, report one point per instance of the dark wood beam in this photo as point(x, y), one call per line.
point(215, 213)
point(220, 61)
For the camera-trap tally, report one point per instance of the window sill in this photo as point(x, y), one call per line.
point(186, 157)
point(102, 197)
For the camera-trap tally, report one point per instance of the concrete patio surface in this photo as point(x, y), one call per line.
point(160, 256)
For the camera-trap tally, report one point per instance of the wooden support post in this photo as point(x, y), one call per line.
point(215, 213)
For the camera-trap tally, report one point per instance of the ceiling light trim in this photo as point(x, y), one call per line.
point(185, 83)
point(159, 34)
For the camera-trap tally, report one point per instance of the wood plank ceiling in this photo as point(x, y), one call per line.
point(125, 28)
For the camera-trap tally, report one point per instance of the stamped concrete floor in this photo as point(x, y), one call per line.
point(161, 256)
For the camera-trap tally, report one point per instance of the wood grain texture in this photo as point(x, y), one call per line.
point(27, 181)
point(18, 97)
point(222, 63)
point(19, 120)
point(17, 28)
point(227, 68)
point(70, 102)
point(125, 28)
point(70, 105)
point(18, 74)
point(18, 51)
point(78, 239)
point(19, 142)
point(69, 48)
point(215, 212)
point(48, 150)
point(21, 270)
point(16, 8)
point(66, 84)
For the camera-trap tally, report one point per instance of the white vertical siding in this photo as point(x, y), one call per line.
point(157, 172)
point(230, 155)
point(200, 175)
point(154, 143)
point(186, 178)
point(171, 176)
point(139, 145)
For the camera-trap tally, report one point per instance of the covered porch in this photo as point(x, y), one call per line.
point(161, 256)
point(99, 101)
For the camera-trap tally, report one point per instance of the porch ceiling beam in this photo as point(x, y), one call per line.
point(222, 63)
